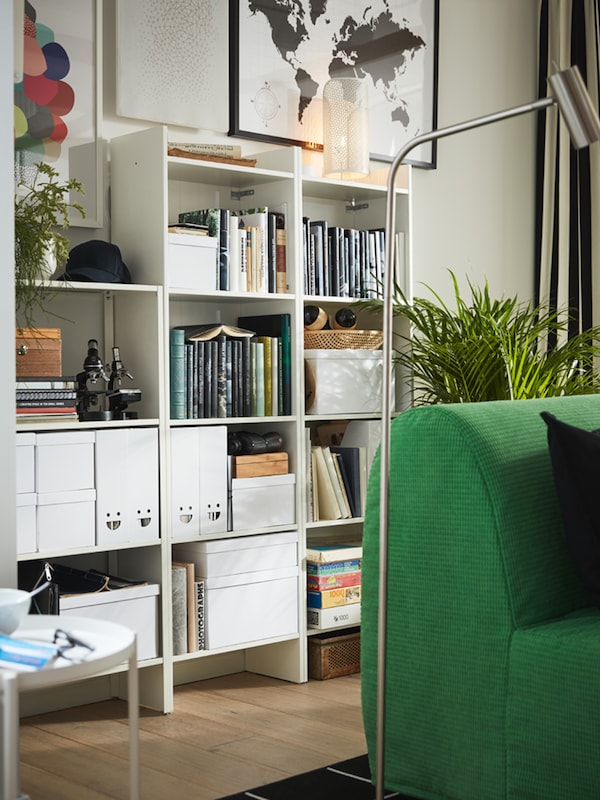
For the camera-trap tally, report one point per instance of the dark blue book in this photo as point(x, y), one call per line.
point(349, 461)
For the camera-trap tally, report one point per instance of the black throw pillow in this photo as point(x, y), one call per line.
point(575, 456)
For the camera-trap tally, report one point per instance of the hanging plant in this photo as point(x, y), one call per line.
point(41, 212)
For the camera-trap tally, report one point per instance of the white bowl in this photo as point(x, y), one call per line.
point(14, 605)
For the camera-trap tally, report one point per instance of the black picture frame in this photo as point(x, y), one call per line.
point(277, 73)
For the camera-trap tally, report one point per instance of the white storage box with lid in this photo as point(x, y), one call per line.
point(344, 381)
point(66, 520)
point(192, 262)
point(251, 587)
point(240, 554)
point(64, 462)
point(263, 502)
point(135, 606)
point(25, 466)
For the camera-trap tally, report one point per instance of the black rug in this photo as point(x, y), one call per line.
point(346, 780)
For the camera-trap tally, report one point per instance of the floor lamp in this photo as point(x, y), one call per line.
point(571, 96)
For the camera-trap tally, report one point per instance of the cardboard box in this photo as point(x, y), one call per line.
point(340, 617)
point(66, 520)
point(136, 607)
point(245, 554)
point(38, 352)
point(332, 598)
point(263, 502)
point(344, 381)
point(192, 262)
point(256, 466)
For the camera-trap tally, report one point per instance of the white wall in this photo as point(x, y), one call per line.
point(474, 213)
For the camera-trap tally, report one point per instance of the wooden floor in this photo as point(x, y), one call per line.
point(226, 735)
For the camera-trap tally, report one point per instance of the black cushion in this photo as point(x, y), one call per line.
point(575, 456)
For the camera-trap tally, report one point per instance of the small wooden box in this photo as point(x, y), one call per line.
point(38, 352)
point(331, 655)
point(257, 466)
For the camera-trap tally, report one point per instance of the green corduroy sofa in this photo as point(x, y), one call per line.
point(493, 652)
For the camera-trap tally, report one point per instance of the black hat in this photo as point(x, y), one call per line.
point(95, 261)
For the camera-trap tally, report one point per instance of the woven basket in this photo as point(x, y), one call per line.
point(343, 340)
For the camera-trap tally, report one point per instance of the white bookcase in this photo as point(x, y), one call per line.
point(148, 190)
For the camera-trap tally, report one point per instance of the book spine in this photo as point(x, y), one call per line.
point(67, 403)
point(207, 378)
point(224, 250)
point(189, 379)
point(267, 342)
point(200, 615)
point(260, 379)
point(177, 373)
point(222, 377)
point(246, 379)
point(217, 149)
point(271, 252)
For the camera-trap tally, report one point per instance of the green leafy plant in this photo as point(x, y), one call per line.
point(490, 349)
point(41, 212)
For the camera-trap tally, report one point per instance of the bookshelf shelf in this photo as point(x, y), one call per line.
point(148, 191)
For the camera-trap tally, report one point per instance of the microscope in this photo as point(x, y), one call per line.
point(92, 402)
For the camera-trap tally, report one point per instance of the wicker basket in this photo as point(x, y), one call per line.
point(343, 340)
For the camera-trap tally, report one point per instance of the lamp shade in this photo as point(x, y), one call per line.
point(345, 129)
point(576, 106)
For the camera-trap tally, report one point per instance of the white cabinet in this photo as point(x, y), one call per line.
point(162, 484)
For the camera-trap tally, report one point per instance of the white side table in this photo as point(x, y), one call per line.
point(113, 644)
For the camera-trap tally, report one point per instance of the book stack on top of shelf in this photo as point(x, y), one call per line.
point(333, 585)
point(46, 398)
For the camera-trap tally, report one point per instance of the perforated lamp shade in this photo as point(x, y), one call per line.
point(345, 129)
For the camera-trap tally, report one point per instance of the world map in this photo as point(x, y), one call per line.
point(321, 39)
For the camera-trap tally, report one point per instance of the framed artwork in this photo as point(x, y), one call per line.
point(282, 54)
point(57, 98)
point(172, 62)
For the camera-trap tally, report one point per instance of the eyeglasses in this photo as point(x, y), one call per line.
point(66, 641)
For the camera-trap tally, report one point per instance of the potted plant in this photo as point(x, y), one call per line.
point(487, 349)
point(41, 212)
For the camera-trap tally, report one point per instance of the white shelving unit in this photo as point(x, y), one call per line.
point(148, 190)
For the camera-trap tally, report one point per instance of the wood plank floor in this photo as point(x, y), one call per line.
point(227, 734)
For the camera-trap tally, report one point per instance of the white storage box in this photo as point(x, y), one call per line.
point(136, 607)
point(26, 527)
point(25, 467)
point(64, 462)
point(220, 557)
point(245, 608)
point(192, 262)
point(263, 502)
point(66, 520)
point(344, 381)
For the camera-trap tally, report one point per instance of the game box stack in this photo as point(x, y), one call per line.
point(333, 585)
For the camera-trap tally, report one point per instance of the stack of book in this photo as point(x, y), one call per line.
point(337, 482)
point(188, 609)
point(333, 585)
point(46, 398)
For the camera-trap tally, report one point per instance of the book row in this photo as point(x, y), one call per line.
point(338, 482)
point(345, 262)
point(251, 247)
point(247, 374)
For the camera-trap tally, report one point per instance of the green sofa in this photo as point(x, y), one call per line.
point(493, 652)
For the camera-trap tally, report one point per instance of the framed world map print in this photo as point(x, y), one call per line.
point(283, 52)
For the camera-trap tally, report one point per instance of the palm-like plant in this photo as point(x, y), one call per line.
point(489, 349)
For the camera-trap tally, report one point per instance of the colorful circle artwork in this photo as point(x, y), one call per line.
point(43, 98)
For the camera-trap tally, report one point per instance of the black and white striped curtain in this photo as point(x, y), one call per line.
point(567, 254)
